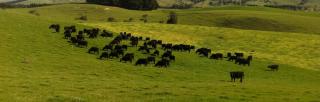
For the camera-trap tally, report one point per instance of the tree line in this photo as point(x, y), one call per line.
point(129, 4)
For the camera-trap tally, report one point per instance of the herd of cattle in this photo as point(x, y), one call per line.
point(147, 46)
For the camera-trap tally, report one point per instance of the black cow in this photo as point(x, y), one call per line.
point(104, 55)
point(127, 57)
point(229, 55)
point(73, 40)
point(114, 53)
point(236, 75)
point(204, 52)
point(80, 37)
point(152, 59)
point(239, 54)
point(82, 43)
point(163, 63)
point(156, 53)
point(94, 50)
point(217, 56)
point(167, 54)
point(242, 61)
point(55, 27)
point(167, 46)
point(274, 67)
point(108, 47)
point(172, 57)
point(232, 58)
point(144, 49)
point(67, 34)
point(142, 62)
point(72, 28)
point(250, 58)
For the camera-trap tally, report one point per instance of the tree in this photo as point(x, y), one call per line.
point(173, 18)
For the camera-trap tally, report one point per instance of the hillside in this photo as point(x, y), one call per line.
point(198, 3)
point(37, 65)
point(250, 18)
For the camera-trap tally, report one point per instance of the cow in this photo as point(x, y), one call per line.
point(239, 54)
point(55, 27)
point(242, 61)
point(127, 57)
point(217, 56)
point(144, 49)
point(167, 54)
point(73, 40)
point(274, 67)
point(232, 58)
point(82, 43)
point(108, 47)
point(72, 28)
point(67, 34)
point(250, 58)
point(163, 63)
point(104, 55)
point(156, 53)
point(172, 58)
point(114, 53)
point(237, 75)
point(152, 59)
point(204, 52)
point(94, 50)
point(142, 62)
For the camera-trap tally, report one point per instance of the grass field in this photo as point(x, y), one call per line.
point(37, 65)
point(251, 18)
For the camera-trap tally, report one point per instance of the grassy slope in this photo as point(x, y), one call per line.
point(254, 18)
point(37, 65)
point(51, 1)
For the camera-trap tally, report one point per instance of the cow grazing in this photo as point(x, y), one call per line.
point(242, 61)
point(71, 29)
point(73, 40)
point(114, 53)
point(204, 52)
point(55, 27)
point(142, 62)
point(163, 63)
point(236, 75)
point(167, 54)
point(82, 43)
point(217, 56)
point(239, 54)
point(127, 57)
point(144, 49)
point(250, 58)
point(104, 55)
point(93, 50)
point(108, 47)
point(172, 58)
point(274, 67)
point(67, 34)
point(156, 53)
point(152, 59)
point(232, 58)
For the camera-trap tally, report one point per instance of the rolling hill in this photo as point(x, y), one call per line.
point(37, 65)
point(198, 3)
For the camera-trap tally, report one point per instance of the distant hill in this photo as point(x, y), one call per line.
point(26, 2)
point(310, 5)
